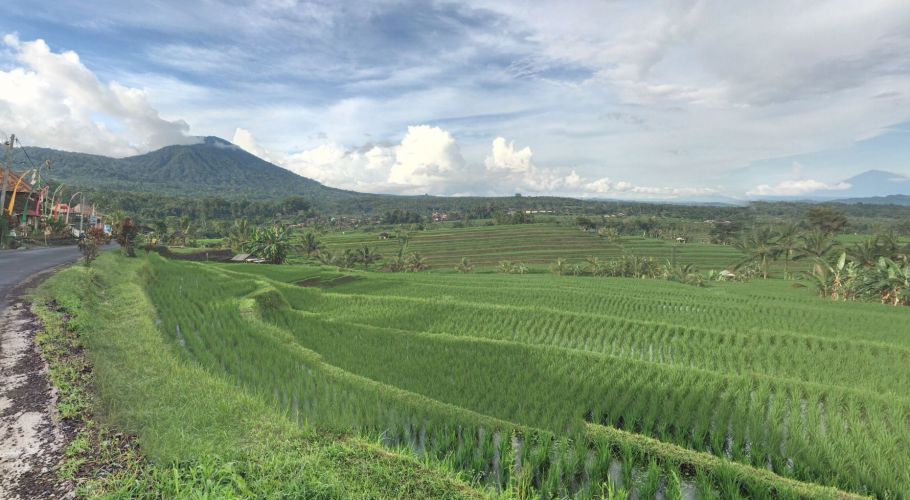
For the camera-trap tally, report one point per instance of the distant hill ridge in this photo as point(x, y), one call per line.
point(213, 167)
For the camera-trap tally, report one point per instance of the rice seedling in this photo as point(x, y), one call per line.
point(452, 373)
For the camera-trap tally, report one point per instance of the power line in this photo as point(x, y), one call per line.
point(26, 153)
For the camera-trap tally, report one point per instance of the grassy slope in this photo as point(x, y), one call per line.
point(183, 414)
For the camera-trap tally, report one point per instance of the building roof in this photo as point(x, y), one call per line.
point(24, 186)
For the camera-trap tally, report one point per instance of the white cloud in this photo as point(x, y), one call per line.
point(624, 189)
point(514, 170)
point(428, 160)
point(504, 157)
point(53, 99)
point(796, 188)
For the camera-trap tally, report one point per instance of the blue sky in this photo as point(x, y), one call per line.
point(638, 99)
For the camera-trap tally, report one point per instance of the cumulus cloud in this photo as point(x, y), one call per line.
point(624, 189)
point(428, 160)
point(504, 157)
point(515, 170)
point(53, 99)
point(796, 188)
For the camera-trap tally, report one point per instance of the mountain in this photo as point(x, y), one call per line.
point(216, 168)
point(867, 185)
point(874, 183)
point(892, 199)
point(213, 167)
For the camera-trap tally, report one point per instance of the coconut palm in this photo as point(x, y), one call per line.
point(789, 245)
point(348, 259)
point(816, 244)
point(464, 266)
point(238, 235)
point(115, 218)
point(760, 248)
point(416, 263)
point(367, 256)
point(867, 252)
point(559, 267)
point(311, 244)
point(595, 265)
point(683, 273)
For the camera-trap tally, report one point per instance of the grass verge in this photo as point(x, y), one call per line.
point(187, 433)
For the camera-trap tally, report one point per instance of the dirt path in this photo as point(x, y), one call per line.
point(31, 435)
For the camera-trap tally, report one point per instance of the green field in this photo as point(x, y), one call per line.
point(535, 384)
point(535, 244)
point(757, 374)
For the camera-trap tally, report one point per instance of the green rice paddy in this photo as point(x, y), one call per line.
point(565, 384)
point(535, 244)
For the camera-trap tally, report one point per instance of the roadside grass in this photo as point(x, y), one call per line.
point(188, 433)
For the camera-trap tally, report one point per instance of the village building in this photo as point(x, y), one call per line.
point(18, 191)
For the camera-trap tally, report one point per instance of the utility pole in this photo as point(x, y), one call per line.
point(9, 165)
point(81, 213)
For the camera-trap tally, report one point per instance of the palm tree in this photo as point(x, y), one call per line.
point(367, 256)
point(683, 273)
point(464, 266)
point(416, 263)
point(348, 259)
point(114, 218)
point(311, 244)
point(558, 267)
point(239, 235)
point(760, 248)
point(595, 265)
point(788, 244)
point(867, 252)
point(326, 257)
point(506, 266)
point(817, 244)
point(271, 243)
point(399, 262)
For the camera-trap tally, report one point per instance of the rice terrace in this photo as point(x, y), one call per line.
point(428, 249)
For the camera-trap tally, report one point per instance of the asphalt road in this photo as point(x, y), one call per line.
point(16, 266)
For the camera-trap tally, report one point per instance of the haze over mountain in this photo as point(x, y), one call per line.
point(873, 183)
point(857, 189)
